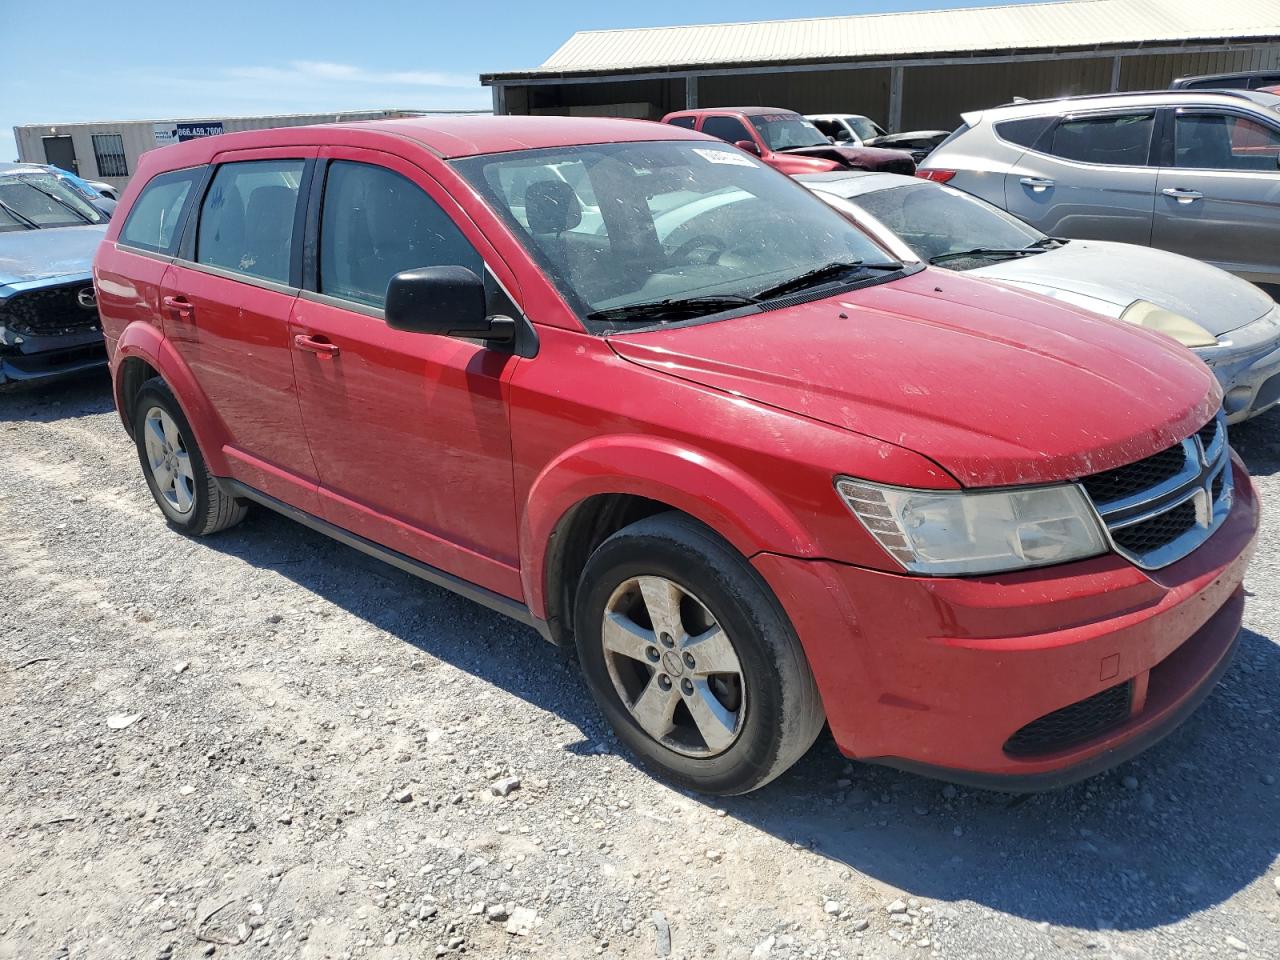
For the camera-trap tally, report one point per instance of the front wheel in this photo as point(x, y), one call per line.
point(692, 659)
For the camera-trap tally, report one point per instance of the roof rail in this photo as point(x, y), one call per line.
point(1239, 94)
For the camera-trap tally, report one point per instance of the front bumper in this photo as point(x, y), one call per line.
point(1247, 366)
point(937, 674)
point(51, 358)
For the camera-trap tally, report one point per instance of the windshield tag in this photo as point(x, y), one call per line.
point(724, 156)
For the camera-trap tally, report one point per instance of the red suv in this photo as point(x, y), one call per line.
point(787, 141)
point(632, 387)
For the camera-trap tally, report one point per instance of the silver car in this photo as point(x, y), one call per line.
point(1230, 324)
point(1196, 172)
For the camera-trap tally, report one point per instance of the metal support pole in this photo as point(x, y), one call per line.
point(895, 99)
point(499, 100)
point(1115, 74)
point(690, 91)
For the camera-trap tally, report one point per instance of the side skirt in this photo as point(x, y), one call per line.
point(481, 595)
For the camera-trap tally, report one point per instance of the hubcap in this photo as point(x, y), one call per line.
point(674, 667)
point(170, 464)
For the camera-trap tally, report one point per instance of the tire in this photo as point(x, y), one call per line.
point(193, 503)
point(762, 722)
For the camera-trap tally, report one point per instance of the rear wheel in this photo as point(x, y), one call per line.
point(187, 494)
point(692, 659)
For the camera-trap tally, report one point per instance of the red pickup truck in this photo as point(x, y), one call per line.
point(787, 141)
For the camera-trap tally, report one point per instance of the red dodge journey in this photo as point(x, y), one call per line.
point(625, 383)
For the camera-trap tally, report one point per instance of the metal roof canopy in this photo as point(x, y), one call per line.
point(973, 35)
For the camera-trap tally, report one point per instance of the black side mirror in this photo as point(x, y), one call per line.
point(448, 301)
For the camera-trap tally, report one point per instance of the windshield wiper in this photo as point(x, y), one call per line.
point(56, 199)
point(993, 253)
point(673, 308)
point(822, 274)
point(24, 220)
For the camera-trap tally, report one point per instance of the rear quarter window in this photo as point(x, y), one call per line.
point(686, 122)
point(1024, 132)
point(152, 223)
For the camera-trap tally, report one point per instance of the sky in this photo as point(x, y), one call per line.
point(198, 61)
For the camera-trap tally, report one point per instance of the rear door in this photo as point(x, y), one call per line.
point(226, 304)
point(410, 431)
point(1218, 190)
point(1091, 177)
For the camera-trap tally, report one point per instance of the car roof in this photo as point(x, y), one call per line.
point(447, 137)
point(744, 111)
point(855, 183)
point(1035, 108)
point(22, 167)
point(836, 116)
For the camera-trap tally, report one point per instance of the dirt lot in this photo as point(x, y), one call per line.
point(312, 749)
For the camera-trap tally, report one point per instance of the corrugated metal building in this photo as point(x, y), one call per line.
point(109, 150)
point(913, 70)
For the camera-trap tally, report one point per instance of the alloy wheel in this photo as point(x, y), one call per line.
point(169, 461)
point(673, 666)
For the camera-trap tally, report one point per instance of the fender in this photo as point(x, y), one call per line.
point(143, 340)
point(707, 488)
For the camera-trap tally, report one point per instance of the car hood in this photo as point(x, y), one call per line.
point(867, 158)
point(995, 385)
point(32, 255)
point(1117, 274)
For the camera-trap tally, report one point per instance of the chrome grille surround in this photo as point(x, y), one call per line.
point(1173, 533)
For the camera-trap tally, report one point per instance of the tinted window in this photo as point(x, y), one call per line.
point(1118, 140)
point(686, 122)
point(1217, 141)
point(834, 129)
point(247, 218)
point(1024, 132)
point(374, 224)
point(153, 221)
point(730, 129)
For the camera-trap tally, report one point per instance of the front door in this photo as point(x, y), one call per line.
point(226, 302)
point(61, 152)
point(1218, 195)
point(1093, 179)
point(409, 431)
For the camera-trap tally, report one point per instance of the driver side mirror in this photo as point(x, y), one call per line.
point(748, 145)
point(447, 301)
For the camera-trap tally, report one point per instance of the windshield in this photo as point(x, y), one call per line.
point(864, 128)
point(32, 200)
point(937, 221)
point(786, 131)
point(621, 224)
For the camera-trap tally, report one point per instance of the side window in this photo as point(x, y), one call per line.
point(1024, 132)
point(247, 218)
point(729, 129)
point(153, 221)
point(375, 223)
point(1219, 141)
point(833, 129)
point(1122, 140)
point(686, 122)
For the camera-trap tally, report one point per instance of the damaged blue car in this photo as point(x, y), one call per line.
point(49, 325)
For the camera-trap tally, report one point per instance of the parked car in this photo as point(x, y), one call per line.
point(1229, 323)
point(787, 141)
point(1249, 80)
point(101, 195)
point(859, 131)
point(1193, 172)
point(49, 323)
point(761, 474)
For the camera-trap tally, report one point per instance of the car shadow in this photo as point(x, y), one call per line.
point(82, 395)
point(1258, 443)
point(1199, 824)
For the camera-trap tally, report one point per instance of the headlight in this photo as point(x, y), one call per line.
point(946, 533)
point(1186, 331)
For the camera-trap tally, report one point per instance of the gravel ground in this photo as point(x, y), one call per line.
point(264, 744)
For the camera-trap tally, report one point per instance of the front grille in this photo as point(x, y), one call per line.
point(1160, 531)
point(1073, 724)
point(49, 312)
point(1159, 509)
point(1135, 477)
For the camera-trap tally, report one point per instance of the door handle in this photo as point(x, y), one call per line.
point(179, 305)
point(1036, 183)
point(1182, 194)
point(317, 345)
